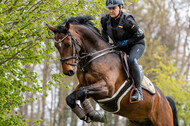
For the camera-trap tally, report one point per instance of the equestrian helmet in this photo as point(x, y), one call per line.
point(113, 3)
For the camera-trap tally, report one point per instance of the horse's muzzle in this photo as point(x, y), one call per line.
point(70, 73)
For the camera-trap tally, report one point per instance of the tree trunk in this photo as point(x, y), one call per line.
point(73, 119)
point(45, 78)
point(116, 120)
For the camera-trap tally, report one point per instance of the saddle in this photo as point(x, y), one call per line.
point(145, 82)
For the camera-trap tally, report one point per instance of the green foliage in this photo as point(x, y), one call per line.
point(168, 80)
point(38, 121)
point(23, 37)
point(13, 120)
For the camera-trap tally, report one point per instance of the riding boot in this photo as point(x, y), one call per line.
point(135, 71)
point(138, 95)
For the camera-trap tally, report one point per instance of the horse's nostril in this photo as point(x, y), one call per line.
point(70, 72)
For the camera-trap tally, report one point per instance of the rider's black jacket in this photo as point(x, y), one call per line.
point(123, 28)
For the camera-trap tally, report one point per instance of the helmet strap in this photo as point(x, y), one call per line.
point(119, 12)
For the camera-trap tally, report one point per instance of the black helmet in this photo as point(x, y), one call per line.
point(113, 3)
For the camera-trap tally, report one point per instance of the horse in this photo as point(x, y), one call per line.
point(101, 77)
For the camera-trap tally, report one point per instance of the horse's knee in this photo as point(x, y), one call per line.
point(81, 94)
point(71, 101)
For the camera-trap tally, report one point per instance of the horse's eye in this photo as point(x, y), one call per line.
point(67, 45)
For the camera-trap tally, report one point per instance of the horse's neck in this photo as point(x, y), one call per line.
point(90, 40)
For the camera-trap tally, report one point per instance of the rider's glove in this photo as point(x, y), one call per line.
point(121, 43)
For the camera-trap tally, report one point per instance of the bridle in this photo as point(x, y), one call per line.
point(74, 47)
point(77, 56)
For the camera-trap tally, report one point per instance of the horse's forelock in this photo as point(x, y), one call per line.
point(60, 29)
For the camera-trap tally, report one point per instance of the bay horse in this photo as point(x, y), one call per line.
point(101, 76)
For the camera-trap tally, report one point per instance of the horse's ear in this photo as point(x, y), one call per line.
point(51, 27)
point(67, 26)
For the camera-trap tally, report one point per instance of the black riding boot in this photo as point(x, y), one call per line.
point(135, 71)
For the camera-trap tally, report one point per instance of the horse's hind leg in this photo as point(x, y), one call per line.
point(162, 116)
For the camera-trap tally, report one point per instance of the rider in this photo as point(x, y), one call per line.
point(127, 35)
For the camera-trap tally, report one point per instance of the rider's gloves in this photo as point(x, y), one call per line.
point(121, 43)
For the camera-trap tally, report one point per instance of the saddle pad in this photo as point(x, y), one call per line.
point(148, 86)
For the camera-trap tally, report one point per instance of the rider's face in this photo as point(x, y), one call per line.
point(113, 11)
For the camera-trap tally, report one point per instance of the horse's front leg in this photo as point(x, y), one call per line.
point(71, 102)
point(97, 90)
point(92, 91)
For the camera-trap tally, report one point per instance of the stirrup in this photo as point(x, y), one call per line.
point(136, 97)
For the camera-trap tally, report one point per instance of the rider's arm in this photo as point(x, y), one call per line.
point(132, 27)
point(104, 30)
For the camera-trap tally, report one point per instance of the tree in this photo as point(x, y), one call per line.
point(22, 36)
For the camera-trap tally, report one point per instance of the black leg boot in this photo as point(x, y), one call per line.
point(135, 71)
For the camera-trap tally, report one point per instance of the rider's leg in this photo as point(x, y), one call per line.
point(135, 72)
point(135, 53)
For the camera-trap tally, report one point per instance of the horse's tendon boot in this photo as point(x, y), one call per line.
point(88, 108)
point(90, 112)
point(97, 117)
point(79, 112)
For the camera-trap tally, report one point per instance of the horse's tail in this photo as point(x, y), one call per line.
point(174, 110)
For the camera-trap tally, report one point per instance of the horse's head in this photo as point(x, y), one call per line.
point(78, 34)
point(67, 46)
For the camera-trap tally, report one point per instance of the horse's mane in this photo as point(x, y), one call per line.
point(80, 20)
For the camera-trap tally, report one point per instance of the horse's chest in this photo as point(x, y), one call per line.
point(90, 78)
